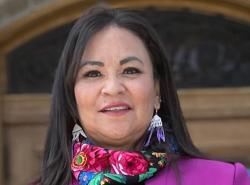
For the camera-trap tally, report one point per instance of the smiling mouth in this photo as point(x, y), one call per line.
point(116, 109)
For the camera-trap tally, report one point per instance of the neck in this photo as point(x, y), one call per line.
point(137, 146)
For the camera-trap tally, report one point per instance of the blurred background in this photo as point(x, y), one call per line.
point(208, 45)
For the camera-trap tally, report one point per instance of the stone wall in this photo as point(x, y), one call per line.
point(12, 10)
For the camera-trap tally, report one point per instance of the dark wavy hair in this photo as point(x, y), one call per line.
point(64, 114)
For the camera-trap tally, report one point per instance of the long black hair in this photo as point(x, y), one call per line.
point(57, 154)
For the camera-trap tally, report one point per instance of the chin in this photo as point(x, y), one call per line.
point(119, 137)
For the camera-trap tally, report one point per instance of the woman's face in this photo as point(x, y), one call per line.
point(115, 90)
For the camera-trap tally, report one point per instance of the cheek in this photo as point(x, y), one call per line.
point(84, 99)
point(144, 100)
point(145, 91)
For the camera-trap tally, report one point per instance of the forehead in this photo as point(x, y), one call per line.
point(114, 41)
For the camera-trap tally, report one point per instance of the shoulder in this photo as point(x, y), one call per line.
point(196, 171)
point(200, 164)
point(213, 172)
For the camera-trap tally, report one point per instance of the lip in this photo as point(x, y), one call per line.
point(117, 112)
point(115, 104)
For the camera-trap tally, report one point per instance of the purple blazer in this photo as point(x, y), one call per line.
point(194, 171)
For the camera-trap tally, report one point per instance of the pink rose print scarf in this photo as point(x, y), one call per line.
point(93, 165)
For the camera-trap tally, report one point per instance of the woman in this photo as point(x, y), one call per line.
point(115, 116)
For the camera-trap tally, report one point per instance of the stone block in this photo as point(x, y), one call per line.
point(13, 7)
point(38, 2)
point(2, 1)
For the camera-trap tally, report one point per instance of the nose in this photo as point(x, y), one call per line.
point(113, 86)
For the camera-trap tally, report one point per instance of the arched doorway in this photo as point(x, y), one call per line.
point(27, 113)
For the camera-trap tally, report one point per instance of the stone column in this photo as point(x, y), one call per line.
point(2, 90)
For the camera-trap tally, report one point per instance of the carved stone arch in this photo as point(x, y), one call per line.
point(59, 13)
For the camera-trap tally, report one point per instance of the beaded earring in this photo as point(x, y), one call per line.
point(156, 124)
point(77, 132)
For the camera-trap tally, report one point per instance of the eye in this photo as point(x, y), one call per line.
point(92, 74)
point(131, 70)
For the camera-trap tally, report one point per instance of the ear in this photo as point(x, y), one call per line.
point(157, 103)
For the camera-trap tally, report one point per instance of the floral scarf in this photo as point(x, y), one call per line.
point(93, 165)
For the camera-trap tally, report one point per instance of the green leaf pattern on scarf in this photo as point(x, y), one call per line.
point(116, 177)
point(96, 179)
point(148, 174)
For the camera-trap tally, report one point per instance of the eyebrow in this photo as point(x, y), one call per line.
point(129, 59)
point(97, 63)
point(101, 64)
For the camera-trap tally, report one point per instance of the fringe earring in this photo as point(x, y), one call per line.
point(77, 132)
point(156, 124)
